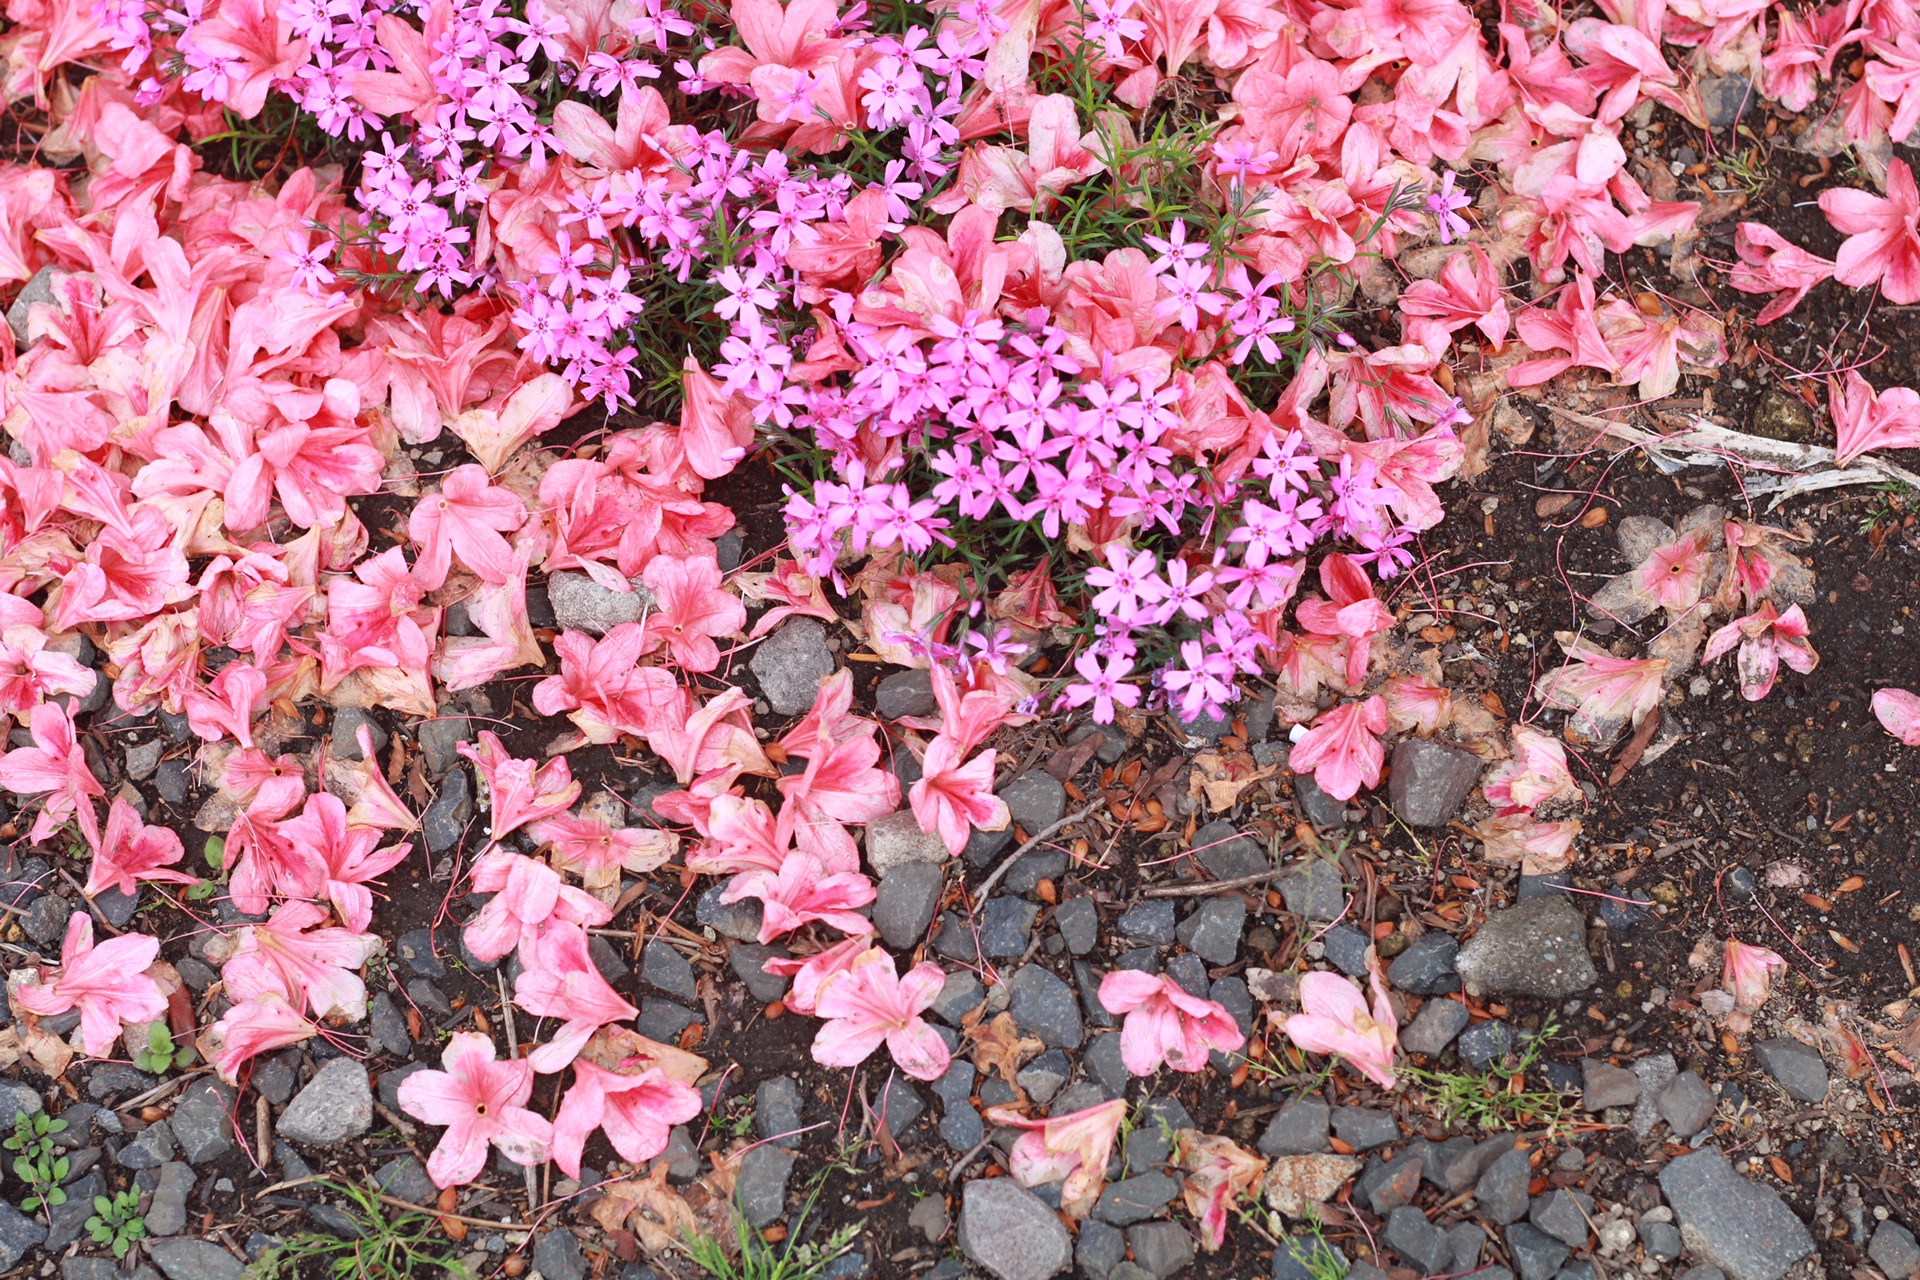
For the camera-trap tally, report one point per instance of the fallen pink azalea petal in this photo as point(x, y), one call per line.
point(481, 1102)
point(1165, 1024)
point(1898, 711)
point(108, 984)
point(1071, 1149)
point(1338, 1021)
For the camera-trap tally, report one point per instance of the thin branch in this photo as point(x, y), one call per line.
point(986, 886)
point(1217, 886)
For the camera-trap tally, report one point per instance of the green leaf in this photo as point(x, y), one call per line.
point(159, 1038)
point(101, 1206)
point(30, 1204)
point(60, 1168)
point(201, 891)
point(23, 1168)
point(121, 1248)
point(56, 1196)
point(98, 1230)
point(137, 1229)
point(217, 852)
point(58, 1126)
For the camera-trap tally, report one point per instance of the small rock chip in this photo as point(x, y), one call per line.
point(1434, 1027)
point(1430, 781)
point(167, 1212)
point(760, 1187)
point(1101, 1249)
point(1895, 1251)
point(1423, 1245)
point(336, 1105)
point(581, 604)
point(1798, 1068)
point(1295, 1183)
point(776, 1111)
point(202, 1123)
point(1078, 921)
point(195, 1260)
point(1135, 1199)
point(1298, 1128)
point(1160, 1249)
point(143, 759)
point(1213, 931)
point(905, 693)
point(1045, 1006)
point(896, 839)
point(1605, 1085)
point(18, 1233)
point(1502, 1189)
point(1227, 854)
point(1686, 1104)
point(445, 821)
point(1536, 1254)
point(1364, 1128)
point(1426, 967)
point(791, 663)
point(556, 1255)
point(1564, 1215)
point(1151, 922)
point(666, 969)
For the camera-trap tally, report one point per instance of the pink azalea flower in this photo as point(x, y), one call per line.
point(1600, 689)
point(598, 853)
point(1071, 1149)
point(225, 707)
point(1165, 1023)
point(802, 890)
point(54, 765)
point(323, 835)
point(1883, 235)
point(109, 984)
point(693, 608)
point(810, 974)
point(637, 1113)
point(1899, 714)
point(1766, 639)
point(466, 518)
point(520, 794)
point(952, 798)
point(1770, 264)
point(374, 802)
point(1343, 748)
point(30, 672)
point(481, 1102)
point(1337, 1021)
point(1536, 775)
point(560, 980)
point(870, 1004)
point(251, 1028)
point(1219, 1171)
point(129, 851)
point(308, 966)
point(526, 895)
point(1747, 975)
point(1865, 420)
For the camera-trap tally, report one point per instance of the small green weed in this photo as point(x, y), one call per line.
point(36, 1162)
point(117, 1221)
point(1496, 1097)
point(160, 1055)
point(398, 1248)
point(216, 854)
point(759, 1261)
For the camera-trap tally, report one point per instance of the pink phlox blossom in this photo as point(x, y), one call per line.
point(1766, 639)
point(465, 519)
point(519, 791)
point(869, 1004)
point(226, 706)
point(1343, 748)
point(802, 890)
point(1445, 205)
point(1072, 1149)
point(109, 984)
point(481, 1102)
point(561, 981)
point(952, 798)
point(693, 608)
point(636, 1111)
point(347, 855)
point(1899, 714)
point(1536, 775)
point(810, 974)
point(1883, 235)
point(250, 1028)
point(1102, 684)
point(54, 766)
point(1769, 264)
point(130, 851)
point(1336, 1020)
point(1166, 1024)
point(527, 894)
point(306, 962)
point(1865, 420)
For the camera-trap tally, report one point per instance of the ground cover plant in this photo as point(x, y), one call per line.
point(867, 514)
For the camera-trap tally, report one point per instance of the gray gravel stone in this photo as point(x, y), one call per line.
point(668, 970)
point(1306, 1257)
point(39, 288)
point(895, 839)
point(1227, 854)
point(1035, 800)
point(1100, 1250)
point(1151, 922)
point(1563, 1215)
point(760, 1188)
point(195, 1260)
point(405, 1178)
point(1044, 1006)
point(415, 950)
point(1105, 1067)
point(1434, 1027)
point(1686, 1104)
point(1535, 1254)
point(1536, 948)
point(202, 1123)
point(143, 759)
point(960, 995)
point(167, 1213)
point(1346, 950)
point(1314, 892)
point(1426, 967)
point(18, 1233)
point(336, 1105)
point(388, 1028)
point(1895, 1251)
point(556, 1255)
point(1364, 1128)
point(1213, 931)
point(1742, 1227)
point(1097, 1015)
point(1011, 1232)
point(1319, 808)
point(1297, 1129)
point(273, 1079)
point(1190, 971)
point(1484, 1043)
point(1150, 1144)
point(905, 693)
point(170, 780)
point(1045, 1076)
point(152, 1147)
point(445, 821)
point(46, 920)
point(907, 899)
point(1160, 1249)
point(1726, 99)
point(902, 1105)
point(1135, 1199)
point(17, 1096)
point(1113, 741)
point(1418, 1242)
point(1798, 1068)
point(1078, 920)
point(115, 907)
point(429, 998)
point(776, 1111)
point(69, 1220)
point(1502, 1189)
point(581, 604)
point(1467, 1239)
point(440, 739)
point(346, 732)
point(1430, 781)
point(663, 1020)
point(80, 1267)
point(1604, 1085)
point(1006, 925)
point(1663, 1242)
point(1655, 1072)
point(737, 920)
point(791, 663)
